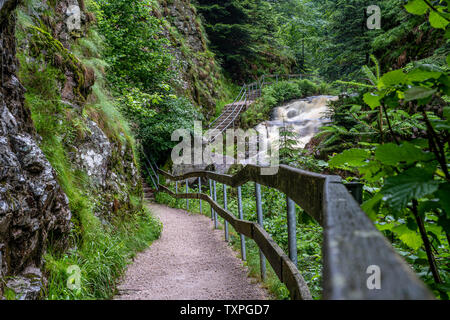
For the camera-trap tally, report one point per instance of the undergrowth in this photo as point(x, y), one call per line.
point(102, 257)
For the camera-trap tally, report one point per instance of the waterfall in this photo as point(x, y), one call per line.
point(304, 116)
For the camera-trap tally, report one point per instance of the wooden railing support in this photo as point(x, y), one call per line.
point(356, 189)
point(200, 191)
point(211, 195)
point(216, 223)
point(187, 191)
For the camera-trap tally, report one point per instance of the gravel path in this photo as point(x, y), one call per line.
point(190, 261)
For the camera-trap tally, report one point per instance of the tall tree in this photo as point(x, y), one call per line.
point(242, 34)
point(300, 28)
point(350, 38)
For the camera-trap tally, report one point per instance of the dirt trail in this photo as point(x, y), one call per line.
point(190, 261)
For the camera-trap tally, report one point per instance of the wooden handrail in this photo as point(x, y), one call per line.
point(351, 243)
point(280, 262)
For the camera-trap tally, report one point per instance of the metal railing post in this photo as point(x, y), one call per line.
point(225, 206)
point(241, 216)
point(187, 191)
point(176, 187)
point(292, 230)
point(262, 258)
point(200, 191)
point(212, 197)
point(216, 226)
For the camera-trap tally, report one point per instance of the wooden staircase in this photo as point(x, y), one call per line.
point(248, 95)
point(149, 193)
point(230, 115)
point(231, 112)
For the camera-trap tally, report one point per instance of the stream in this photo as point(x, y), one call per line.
point(302, 116)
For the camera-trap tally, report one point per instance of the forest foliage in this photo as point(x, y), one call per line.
point(400, 123)
point(390, 127)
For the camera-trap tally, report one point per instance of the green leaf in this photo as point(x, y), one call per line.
point(371, 206)
point(372, 100)
point(416, 93)
point(373, 171)
point(351, 157)
point(437, 21)
point(410, 238)
point(444, 197)
point(434, 230)
point(392, 154)
point(428, 206)
point(444, 222)
point(448, 59)
point(446, 112)
point(355, 108)
point(418, 7)
point(393, 78)
point(414, 183)
point(385, 226)
point(420, 74)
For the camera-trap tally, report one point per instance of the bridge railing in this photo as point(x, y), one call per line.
point(248, 93)
point(150, 169)
point(352, 248)
point(237, 107)
point(239, 96)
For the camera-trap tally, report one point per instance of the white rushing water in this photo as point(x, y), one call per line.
point(303, 116)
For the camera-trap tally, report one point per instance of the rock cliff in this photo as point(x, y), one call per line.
point(66, 153)
point(34, 212)
point(201, 77)
point(54, 125)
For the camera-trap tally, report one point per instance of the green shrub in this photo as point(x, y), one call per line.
point(155, 131)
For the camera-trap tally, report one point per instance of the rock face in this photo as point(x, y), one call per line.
point(200, 74)
point(110, 167)
point(93, 155)
point(33, 209)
